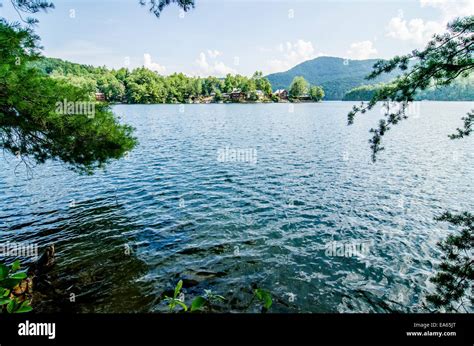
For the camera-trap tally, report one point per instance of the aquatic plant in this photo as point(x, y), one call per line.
point(176, 300)
point(10, 279)
point(207, 301)
point(264, 297)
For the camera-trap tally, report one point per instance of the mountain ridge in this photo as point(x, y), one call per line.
point(336, 75)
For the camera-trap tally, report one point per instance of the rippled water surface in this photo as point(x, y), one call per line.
point(172, 210)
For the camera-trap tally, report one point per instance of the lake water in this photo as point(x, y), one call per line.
point(300, 188)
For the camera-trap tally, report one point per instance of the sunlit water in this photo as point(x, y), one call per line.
point(172, 210)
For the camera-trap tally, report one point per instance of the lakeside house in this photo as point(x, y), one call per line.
point(305, 97)
point(237, 95)
point(99, 97)
point(282, 94)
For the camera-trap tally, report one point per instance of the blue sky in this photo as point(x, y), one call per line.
point(237, 36)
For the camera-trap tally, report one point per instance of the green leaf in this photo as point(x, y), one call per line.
point(11, 306)
point(178, 287)
point(18, 276)
point(3, 271)
point(16, 265)
point(4, 300)
point(180, 303)
point(198, 303)
point(24, 307)
point(265, 297)
point(10, 283)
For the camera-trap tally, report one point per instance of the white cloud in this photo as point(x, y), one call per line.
point(419, 31)
point(213, 53)
point(361, 50)
point(214, 68)
point(221, 69)
point(148, 63)
point(292, 54)
point(415, 30)
point(451, 9)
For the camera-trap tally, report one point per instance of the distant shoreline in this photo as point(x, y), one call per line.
point(265, 103)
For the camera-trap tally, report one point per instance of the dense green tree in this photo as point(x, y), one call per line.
point(31, 126)
point(460, 90)
point(362, 93)
point(196, 87)
point(145, 86)
point(112, 88)
point(218, 96)
point(316, 93)
point(122, 75)
point(84, 82)
point(179, 88)
point(262, 83)
point(211, 85)
point(252, 96)
point(230, 83)
point(298, 87)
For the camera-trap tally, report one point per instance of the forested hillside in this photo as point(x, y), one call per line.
point(336, 75)
point(142, 85)
point(461, 90)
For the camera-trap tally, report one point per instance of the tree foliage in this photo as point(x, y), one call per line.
point(30, 125)
point(157, 6)
point(445, 58)
point(455, 278)
point(460, 90)
point(142, 85)
point(335, 75)
point(316, 93)
point(299, 87)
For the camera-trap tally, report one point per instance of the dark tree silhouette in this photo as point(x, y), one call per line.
point(455, 278)
point(157, 6)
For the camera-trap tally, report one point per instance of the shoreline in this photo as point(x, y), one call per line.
point(266, 103)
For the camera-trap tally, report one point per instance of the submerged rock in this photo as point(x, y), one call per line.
point(26, 289)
